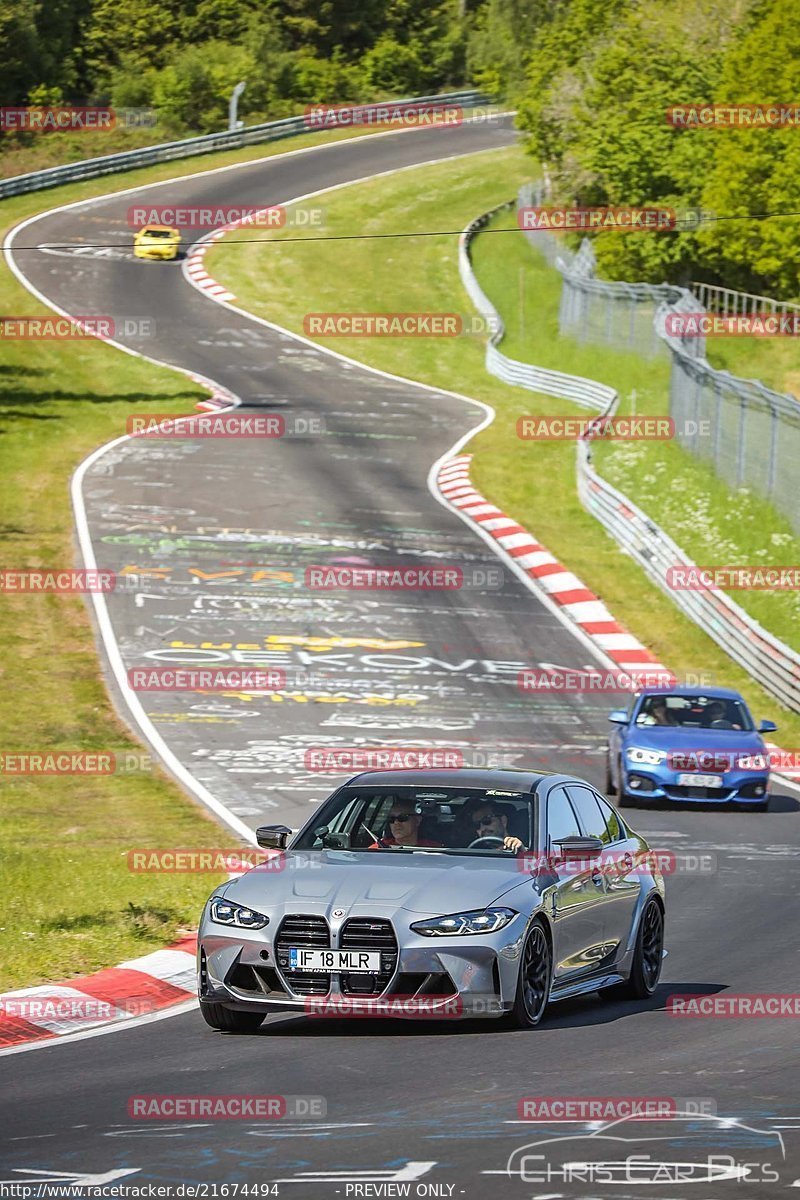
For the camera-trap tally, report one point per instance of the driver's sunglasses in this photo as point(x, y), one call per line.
point(400, 816)
point(479, 822)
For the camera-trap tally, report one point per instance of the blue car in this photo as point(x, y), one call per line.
point(691, 746)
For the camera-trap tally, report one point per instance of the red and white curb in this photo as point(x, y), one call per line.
point(561, 586)
point(194, 266)
point(565, 589)
point(135, 988)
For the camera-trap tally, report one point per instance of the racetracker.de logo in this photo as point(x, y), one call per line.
point(205, 679)
point(382, 758)
point(60, 580)
point(532, 680)
point(50, 118)
point(550, 217)
point(207, 425)
point(596, 1108)
point(562, 429)
point(705, 324)
point(46, 1006)
point(48, 329)
point(388, 1006)
point(322, 116)
point(757, 1005)
point(193, 216)
point(203, 860)
point(217, 1108)
point(691, 578)
point(57, 762)
point(375, 579)
point(382, 324)
point(733, 116)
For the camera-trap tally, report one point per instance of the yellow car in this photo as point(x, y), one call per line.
point(156, 241)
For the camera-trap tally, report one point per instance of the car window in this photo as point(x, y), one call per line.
point(561, 819)
point(592, 820)
point(616, 831)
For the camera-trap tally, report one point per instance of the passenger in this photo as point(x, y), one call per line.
point(404, 825)
point(660, 713)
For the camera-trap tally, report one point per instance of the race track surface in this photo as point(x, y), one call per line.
point(215, 537)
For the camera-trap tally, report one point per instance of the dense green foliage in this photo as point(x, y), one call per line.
point(184, 56)
point(593, 82)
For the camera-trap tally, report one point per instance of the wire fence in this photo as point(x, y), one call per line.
point(748, 433)
point(775, 665)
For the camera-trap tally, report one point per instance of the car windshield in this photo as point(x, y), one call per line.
point(449, 820)
point(694, 712)
point(158, 233)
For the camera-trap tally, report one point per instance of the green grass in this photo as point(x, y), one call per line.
point(70, 905)
point(534, 482)
point(775, 361)
point(714, 524)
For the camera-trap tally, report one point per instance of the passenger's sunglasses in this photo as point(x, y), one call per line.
point(400, 816)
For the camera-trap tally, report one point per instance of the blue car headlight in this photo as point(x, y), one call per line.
point(652, 758)
point(484, 920)
point(225, 912)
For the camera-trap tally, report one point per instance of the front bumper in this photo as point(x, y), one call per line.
point(659, 783)
point(164, 253)
point(432, 978)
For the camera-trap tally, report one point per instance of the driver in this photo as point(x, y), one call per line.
point(404, 825)
point(489, 820)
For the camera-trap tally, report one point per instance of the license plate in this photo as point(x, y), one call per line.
point(705, 781)
point(358, 961)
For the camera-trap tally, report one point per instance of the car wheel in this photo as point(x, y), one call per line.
point(648, 955)
point(610, 788)
point(534, 979)
point(220, 1017)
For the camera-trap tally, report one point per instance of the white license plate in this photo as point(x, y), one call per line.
point(334, 960)
point(706, 781)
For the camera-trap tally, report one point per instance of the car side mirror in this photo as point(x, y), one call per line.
point(767, 727)
point(273, 837)
point(618, 716)
point(579, 847)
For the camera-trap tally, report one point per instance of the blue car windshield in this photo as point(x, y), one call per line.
point(694, 712)
point(453, 820)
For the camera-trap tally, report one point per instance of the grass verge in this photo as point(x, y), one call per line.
point(535, 482)
point(70, 903)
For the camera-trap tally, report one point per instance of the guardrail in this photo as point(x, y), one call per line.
point(769, 661)
point(730, 303)
point(145, 156)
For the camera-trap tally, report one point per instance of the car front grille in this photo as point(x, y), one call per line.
point(359, 933)
point(311, 932)
point(369, 933)
point(676, 792)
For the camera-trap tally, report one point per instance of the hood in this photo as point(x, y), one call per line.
point(376, 882)
point(674, 738)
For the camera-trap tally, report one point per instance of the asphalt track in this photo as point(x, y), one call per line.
point(190, 524)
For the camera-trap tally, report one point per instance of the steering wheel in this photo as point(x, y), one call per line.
point(490, 837)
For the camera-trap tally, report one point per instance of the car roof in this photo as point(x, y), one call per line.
point(511, 779)
point(685, 689)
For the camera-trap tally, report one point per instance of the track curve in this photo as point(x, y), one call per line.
point(438, 668)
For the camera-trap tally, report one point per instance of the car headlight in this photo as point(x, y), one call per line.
point(652, 757)
point(483, 920)
point(752, 762)
point(225, 912)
